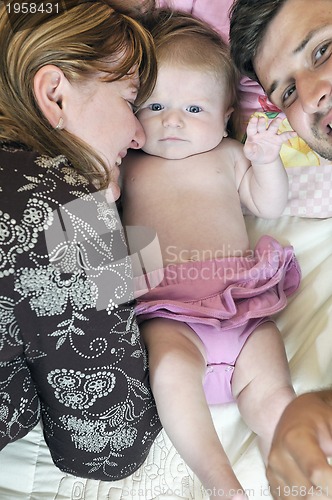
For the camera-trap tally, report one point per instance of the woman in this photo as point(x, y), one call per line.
point(70, 349)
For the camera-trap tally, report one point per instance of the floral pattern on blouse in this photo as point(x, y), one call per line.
point(70, 349)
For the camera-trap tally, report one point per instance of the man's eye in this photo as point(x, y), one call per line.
point(320, 52)
point(194, 109)
point(289, 96)
point(155, 106)
point(323, 52)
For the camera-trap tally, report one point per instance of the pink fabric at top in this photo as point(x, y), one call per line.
point(214, 12)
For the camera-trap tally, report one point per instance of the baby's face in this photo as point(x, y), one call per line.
point(185, 115)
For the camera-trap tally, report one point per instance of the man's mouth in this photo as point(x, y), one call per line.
point(325, 123)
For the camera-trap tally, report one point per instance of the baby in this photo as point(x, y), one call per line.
point(207, 324)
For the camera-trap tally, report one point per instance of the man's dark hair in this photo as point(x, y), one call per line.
point(249, 20)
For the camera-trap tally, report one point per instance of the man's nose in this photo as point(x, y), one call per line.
point(314, 92)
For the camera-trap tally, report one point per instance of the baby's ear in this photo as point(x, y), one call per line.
point(228, 114)
point(48, 84)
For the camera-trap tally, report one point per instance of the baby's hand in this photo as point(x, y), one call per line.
point(263, 143)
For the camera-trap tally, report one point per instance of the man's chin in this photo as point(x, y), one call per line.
point(324, 151)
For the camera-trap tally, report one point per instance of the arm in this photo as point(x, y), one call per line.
point(303, 440)
point(264, 186)
point(19, 404)
point(67, 326)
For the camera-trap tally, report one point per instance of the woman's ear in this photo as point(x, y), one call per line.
point(48, 85)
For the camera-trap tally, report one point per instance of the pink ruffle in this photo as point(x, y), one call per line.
point(229, 290)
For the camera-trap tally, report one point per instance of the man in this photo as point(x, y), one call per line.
point(286, 45)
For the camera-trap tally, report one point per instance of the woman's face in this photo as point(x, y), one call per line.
point(101, 114)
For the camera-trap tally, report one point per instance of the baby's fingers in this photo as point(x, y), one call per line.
point(280, 136)
point(288, 134)
point(275, 124)
point(256, 125)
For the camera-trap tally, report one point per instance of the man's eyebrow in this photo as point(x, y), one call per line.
point(304, 42)
point(272, 88)
point(298, 49)
point(309, 36)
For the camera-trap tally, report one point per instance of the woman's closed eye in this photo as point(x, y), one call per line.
point(133, 106)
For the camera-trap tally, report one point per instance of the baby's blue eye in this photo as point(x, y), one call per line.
point(155, 106)
point(194, 109)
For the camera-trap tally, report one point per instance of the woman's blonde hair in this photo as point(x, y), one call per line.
point(183, 39)
point(81, 40)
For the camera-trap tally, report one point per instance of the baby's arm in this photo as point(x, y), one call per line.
point(264, 187)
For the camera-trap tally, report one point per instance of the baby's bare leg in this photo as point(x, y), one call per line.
point(262, 383)
point(177, 369)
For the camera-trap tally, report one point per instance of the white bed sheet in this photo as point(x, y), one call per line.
point(26, 469)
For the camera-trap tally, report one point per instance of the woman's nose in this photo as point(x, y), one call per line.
point(138, 140)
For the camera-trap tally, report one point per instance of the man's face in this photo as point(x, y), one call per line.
point(294, 66)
